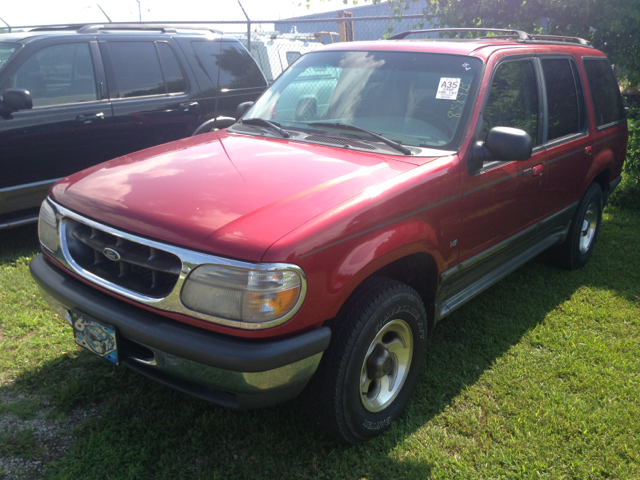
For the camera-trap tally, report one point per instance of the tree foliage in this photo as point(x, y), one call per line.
point(612, 26)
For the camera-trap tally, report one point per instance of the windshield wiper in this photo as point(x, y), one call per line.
point(266, 123)
point(346, 126)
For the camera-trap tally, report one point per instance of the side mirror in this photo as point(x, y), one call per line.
point(214, 124)
point(242, 109)
point(505, 144)
point(17, 99)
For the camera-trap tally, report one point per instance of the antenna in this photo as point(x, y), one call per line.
point(103, 12)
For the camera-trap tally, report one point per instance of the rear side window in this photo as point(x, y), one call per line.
point(137, 69)
point(229, 65)
point(605, 94)
point(58, 75)
point(513, 99)
point(564, 100)
point(171, 68)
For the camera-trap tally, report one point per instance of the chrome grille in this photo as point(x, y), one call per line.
point(339, 141)
point(142, 269)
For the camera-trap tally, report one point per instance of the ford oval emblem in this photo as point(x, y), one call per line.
point(111, 254)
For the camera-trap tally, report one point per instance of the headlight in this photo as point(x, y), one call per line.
point(252, 296)
point(47, 227)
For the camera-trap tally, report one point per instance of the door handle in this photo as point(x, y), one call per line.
point(588, 150)
point(537, 171)
point(89, 118)
point(186, 106)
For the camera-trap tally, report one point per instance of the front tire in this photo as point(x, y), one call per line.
point(372, 366)
point(577, 248)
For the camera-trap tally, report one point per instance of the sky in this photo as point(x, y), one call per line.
point(48, 12)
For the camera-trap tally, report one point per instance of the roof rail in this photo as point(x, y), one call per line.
point(518, 35)
point(522, 36)
point(559, 38)
point(163, 27)
point(72, 27)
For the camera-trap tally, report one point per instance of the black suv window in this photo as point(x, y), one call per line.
point(513, 99)
point(564, 99)
point(229, 65)
point(171, 68)
point(137, 69)
point(237, 68)
point(6, 51)
point(605, 94)
point(58, 75)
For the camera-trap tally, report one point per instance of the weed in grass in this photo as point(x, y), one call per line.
point(24, 409)
point(19, 443)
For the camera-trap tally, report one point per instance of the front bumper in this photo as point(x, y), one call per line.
point(232, 372)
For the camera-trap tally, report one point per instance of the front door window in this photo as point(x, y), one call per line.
point(58, 75)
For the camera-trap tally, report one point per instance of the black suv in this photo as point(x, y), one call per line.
point(74, 97)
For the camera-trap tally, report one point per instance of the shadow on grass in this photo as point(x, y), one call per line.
point(18, 242)
point(148, 431)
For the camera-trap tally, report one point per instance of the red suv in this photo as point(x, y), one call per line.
point(373, 189)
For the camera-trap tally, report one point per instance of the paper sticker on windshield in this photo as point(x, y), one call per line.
point(448, 88)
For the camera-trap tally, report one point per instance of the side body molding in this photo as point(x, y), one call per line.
point(461, 283)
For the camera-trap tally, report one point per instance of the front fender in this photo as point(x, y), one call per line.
point(418, 212)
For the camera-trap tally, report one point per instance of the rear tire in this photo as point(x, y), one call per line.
point(577, 248)
point(372, 366)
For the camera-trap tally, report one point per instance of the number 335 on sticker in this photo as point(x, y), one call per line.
point(448, 88)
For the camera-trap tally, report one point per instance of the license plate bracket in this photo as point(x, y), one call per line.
point(95, 336)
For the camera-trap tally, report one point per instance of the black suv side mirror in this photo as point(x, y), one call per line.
point(15, 99)
point(504, 143)
point(242, 109)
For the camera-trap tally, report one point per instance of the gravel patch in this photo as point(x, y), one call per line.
point(51, 437)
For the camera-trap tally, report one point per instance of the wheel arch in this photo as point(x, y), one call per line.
point(602, 179)
point(420, 272)
point(410, 252)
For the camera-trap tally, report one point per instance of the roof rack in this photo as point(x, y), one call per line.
point(517, 35)
point(559, 38)
point(96, 27)
point(163, 27)
point(522, 36)
point(73, 27)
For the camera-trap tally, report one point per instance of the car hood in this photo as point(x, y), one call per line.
point(223, 193)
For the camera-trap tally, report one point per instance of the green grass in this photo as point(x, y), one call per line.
point(539, 377)
point(20, 443)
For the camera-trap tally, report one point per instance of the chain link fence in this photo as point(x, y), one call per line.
point(276, 44)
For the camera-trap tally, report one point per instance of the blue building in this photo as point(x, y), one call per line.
point(362, 29)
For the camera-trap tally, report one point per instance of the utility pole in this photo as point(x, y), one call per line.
point(248, 27)
point(139, 11)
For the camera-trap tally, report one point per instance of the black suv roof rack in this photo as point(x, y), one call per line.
point(164, 27)
point(507, 34)
point(48, 28)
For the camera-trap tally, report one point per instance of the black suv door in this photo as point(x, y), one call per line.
point(153, 97)
point(69, 128)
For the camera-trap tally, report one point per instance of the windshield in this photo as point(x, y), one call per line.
point(415, 99)
point(6, 51)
